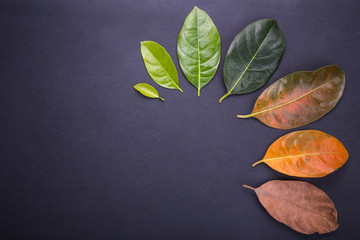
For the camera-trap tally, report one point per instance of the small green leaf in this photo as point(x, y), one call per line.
point(199, 48)
point(147, 90)
point(253, 56)
point(159, 65)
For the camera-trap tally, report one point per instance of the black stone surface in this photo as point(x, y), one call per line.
point(84, 156)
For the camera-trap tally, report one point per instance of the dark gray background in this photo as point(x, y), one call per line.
point(84, 156)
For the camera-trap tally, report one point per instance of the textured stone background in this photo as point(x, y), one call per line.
point(84, 156)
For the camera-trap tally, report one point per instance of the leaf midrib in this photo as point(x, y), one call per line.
point(299, 155)
point(198, 50)
point(252, 59)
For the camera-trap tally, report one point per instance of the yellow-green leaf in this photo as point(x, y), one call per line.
point(159, 65)
point(147, 90)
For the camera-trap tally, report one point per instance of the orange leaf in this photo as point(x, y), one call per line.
point(308, 153)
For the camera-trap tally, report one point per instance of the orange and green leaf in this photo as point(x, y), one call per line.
point(299, 98)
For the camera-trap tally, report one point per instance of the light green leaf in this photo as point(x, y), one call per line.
point(159, 65)
point(199, 48)
point(253, 57)
point(147, 90)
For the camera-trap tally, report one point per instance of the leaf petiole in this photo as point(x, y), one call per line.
point(245, 116)
point(223, 97)
point(246, 186)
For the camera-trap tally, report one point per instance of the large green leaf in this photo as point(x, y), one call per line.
point(253, 57)
point(199, 48)
point(159, 65)
point(147, 90)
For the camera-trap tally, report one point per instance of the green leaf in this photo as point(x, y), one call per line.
point(147, 90)
point(199, 48)
point(253, 57)
point(159, 65)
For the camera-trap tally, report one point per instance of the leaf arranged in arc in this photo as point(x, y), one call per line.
point(308, 153)
point(299, 205)
point(199, 48)
point(299, 98)
point(253, 57)
point(159, 65)
point(147, 90)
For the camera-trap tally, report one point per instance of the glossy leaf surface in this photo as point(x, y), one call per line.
point(308, 153)
point(253, 57)
point(299, 205)
point(147, 90)
point(299, 98)
point(199, 48)
point(159, 65)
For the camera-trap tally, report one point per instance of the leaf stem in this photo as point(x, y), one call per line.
point(245, 116)
point(198, 91)
point(180, 89)
point(246, 186)
point(162, 99)
point(258, 162)
point(223, 97)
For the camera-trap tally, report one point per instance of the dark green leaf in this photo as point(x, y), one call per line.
point(199, 48)
point(253, 57)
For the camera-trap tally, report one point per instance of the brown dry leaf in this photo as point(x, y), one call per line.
point(299, 205)
point(308, 153)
